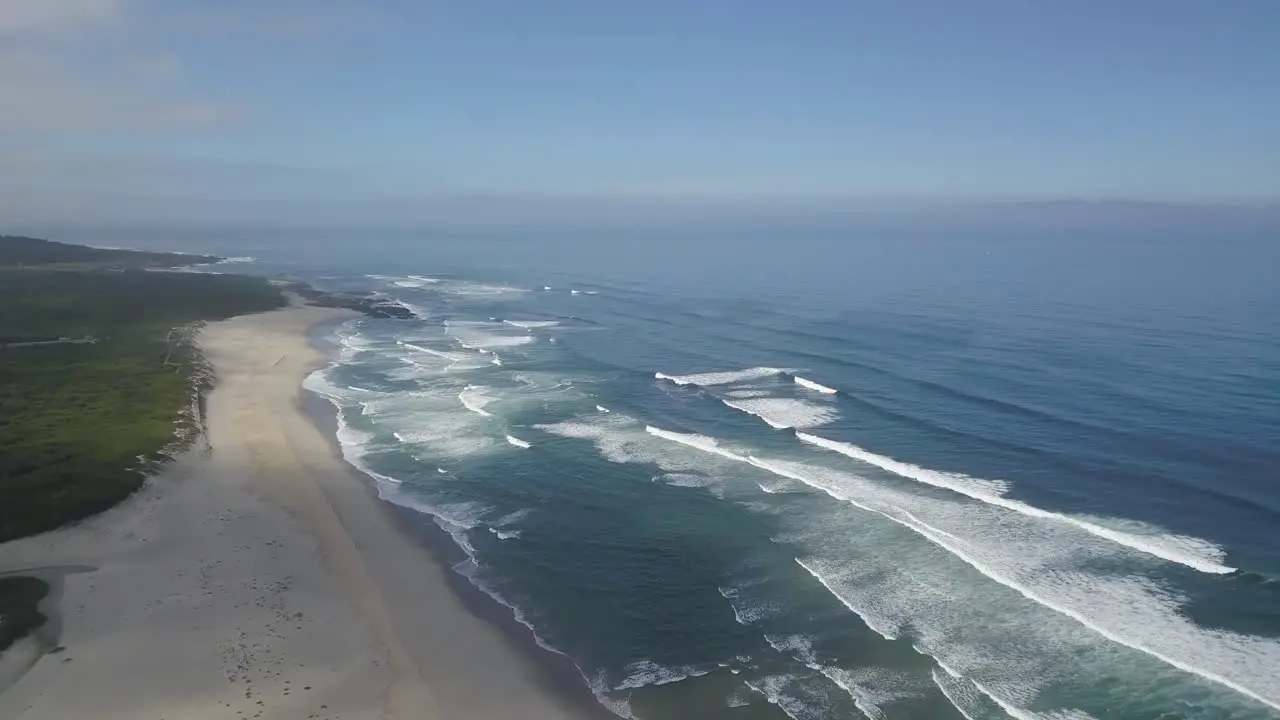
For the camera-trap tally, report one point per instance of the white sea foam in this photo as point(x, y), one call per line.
point(485, 336)
point(1033, 558)
point(721, 378)
point(782, 413)
point(872, 689)
point(610, 436)
point(484, 290)
point(736, 699)
point(318, 382)
point(620, 439)
point(601, 408)
point(518, 442)
point(455, 518)
point(744, 611)
point(496, 360)
point(452, 357)
point(1192, 552)
point(689, 480)
point(647, 673)
point(531, 324)
point(885, 630)
point(418, 311)
point(802, 382)
point(355, 445)
point(1039, 559)
point(960, 692)
point(449, 362)
point(600, 688)
point(475, 398)
point(1026, 558)
point(437, 423)
point(505, 534)
point(459, 516)
point(471, 571)
point(698, 442)
point(785, 692)
point(749, 394)
point(1018, 713)
point(511, 518)
point(574, 292)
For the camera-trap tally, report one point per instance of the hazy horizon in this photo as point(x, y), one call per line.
point(319, 112)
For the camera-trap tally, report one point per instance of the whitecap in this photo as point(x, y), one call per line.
point(782, 413)
point(802, 382)
point(647, 673)
point(531, 324)
point(1130, 611)
point(746, 612)
point(485, 336)
point(698, 442)
point(1192, 552)
point(721, 378)
point(475, 398)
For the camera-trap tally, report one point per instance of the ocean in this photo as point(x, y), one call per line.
point(819, 475)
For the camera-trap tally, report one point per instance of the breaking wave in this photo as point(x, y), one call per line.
point(721, 378)
point(813, 385)
point(1191, 552)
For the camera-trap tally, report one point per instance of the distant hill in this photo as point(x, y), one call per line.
point(18, 250)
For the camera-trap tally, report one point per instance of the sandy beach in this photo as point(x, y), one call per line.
point(259, 577)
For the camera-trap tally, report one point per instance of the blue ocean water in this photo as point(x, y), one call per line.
point(829, 476)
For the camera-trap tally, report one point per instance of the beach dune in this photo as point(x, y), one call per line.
point(259, 577)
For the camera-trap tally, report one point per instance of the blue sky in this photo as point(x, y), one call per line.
point(297, 106)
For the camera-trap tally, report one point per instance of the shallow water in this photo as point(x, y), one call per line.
point(822, 476)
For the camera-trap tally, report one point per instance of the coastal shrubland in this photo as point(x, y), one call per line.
point(96, 371)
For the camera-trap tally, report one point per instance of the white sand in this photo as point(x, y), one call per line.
point(262, 580)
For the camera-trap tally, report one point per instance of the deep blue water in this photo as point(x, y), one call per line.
point(1045, 486)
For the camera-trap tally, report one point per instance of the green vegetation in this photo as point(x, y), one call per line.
point(18, 250)
point(80, 422)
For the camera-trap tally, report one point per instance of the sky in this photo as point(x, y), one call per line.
point(356, 111)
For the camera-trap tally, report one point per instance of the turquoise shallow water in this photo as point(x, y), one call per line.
point(828, 477)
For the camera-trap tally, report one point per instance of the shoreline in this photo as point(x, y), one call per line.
point(555, 673)
point(265, 579)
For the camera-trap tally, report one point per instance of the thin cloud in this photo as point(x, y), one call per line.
point(46, 17)
point(283, 20)
point(46, 91)
point(74, 66)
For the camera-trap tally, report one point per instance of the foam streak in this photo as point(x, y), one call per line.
point(1191, 552)
point(802, 382)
